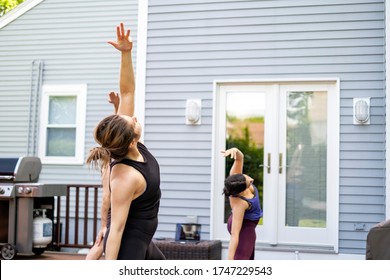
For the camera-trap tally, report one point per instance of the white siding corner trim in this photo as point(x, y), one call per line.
point(141, 61)
point(387, 9)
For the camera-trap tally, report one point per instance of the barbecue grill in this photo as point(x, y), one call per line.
point(21, 198)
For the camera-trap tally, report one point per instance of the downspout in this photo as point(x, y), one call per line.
point(34, 106)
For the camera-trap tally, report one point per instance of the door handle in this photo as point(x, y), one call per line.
point(280, 163)
point(268, 166)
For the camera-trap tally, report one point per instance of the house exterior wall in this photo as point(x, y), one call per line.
point(189, 45)
point(192, 44)
point(58, 42)
point(67, 39)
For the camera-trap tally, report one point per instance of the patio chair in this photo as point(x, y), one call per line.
point(378, 242)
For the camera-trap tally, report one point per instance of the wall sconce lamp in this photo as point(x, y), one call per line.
point(361, 111)
point(193, 111)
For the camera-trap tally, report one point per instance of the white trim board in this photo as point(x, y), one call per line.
point(387, 92)
point(140, 82)
point(18, 11)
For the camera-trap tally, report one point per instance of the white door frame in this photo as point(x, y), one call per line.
point(218, 141)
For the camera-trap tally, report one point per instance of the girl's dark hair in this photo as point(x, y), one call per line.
point(234, 184)
point(114, 135)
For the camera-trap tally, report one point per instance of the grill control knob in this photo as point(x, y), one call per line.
point(20, 190)
point(2, 191)
point(27, 190)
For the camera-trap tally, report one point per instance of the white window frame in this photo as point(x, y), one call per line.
point(80, 92)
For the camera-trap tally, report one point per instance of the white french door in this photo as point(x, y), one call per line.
point(289, 131)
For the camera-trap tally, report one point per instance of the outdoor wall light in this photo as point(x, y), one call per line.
point(361, 111)
point(193, 111)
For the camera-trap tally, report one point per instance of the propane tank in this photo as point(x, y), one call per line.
point(43, 229)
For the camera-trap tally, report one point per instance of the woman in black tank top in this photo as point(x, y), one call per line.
point(134, 178)
point(142, 218)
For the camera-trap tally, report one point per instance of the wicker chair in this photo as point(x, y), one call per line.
point(378, 242)
point(202, 250)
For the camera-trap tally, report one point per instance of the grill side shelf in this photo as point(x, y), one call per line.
point(40, 190)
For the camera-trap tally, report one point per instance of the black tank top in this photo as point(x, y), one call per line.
point(145, 206)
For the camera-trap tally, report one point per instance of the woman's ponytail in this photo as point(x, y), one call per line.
point(98, 157)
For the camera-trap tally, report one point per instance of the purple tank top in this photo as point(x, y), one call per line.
point(254, 212)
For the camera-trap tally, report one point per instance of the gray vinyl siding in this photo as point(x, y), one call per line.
point(190, 44)
point(69, 38)
point(194, 42)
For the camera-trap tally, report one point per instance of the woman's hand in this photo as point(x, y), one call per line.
point(124, 42)
point(234, 153)
point(100, 236)
point(238, 156)
point(113, 98)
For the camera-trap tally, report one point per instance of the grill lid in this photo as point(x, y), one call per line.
point(22, 169)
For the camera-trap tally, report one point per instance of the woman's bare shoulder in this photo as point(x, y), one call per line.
point(128, 178)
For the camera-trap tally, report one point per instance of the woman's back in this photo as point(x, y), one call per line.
point(147, 204)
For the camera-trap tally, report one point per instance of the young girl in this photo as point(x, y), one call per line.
point(246, 209)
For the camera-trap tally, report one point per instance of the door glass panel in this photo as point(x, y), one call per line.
point(245, 114)
point(306, 159)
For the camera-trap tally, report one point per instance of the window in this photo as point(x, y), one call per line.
point(62, 125)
